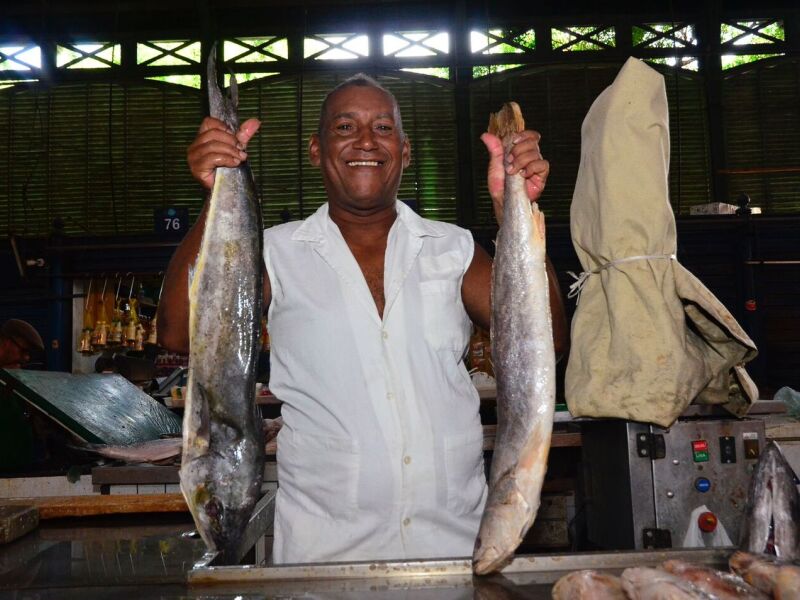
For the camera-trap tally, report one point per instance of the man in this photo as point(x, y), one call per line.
point(18, 342)
point(369, 308)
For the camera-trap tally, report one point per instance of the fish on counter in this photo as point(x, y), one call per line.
point(223, 443)
point(524, 363)
point(168, 450)
point(724, 586)
point(646, 583)
point(588, 585)
point(160, 451)
point(772, 522)
point(768, 574)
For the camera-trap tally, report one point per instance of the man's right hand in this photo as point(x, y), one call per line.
point(216, 146)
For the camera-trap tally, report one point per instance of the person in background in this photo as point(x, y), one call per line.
point(381, 451)
point(19, 341)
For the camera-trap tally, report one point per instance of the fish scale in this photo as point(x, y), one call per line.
point(223, 449)
point(524, 362)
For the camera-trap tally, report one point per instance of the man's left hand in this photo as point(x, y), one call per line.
point(524, 158)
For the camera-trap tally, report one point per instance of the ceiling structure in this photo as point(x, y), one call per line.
point(72, 19)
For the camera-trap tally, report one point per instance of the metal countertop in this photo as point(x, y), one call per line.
point(126, 558)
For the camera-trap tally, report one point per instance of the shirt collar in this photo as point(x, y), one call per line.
point(315, 227)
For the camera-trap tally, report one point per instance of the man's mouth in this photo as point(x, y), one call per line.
point(364, 163)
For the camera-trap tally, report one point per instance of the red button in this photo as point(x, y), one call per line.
point(707, 522)
point(700, 446)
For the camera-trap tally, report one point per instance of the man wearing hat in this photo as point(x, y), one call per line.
point(18, 341)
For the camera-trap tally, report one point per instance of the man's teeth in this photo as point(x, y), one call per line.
point(363, 163)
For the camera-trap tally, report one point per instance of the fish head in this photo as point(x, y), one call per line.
point(223, 504)
point(361, 149)
point(773, 512)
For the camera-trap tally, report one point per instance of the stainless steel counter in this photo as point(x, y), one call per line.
point(154, 557)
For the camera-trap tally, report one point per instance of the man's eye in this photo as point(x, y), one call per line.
point(386, 128)
point(344, 127)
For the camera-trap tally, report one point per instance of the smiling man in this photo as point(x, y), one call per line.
point(369, 310)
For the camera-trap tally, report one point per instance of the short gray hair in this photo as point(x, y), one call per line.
point(361, 80)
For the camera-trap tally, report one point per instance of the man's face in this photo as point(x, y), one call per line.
point(360, 150)
point(13, 354)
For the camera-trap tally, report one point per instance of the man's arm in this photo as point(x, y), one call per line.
point(476, 293)
point(215, 146)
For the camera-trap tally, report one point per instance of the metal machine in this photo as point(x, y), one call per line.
point(648, 487)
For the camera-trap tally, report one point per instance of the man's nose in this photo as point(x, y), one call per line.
point(366, 139)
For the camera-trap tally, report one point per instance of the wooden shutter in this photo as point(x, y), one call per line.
point(98, 156)
point(761, 111)
point(555, 100)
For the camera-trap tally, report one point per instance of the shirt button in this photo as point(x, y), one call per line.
point(406, 521)
point(407, 460)
point(385, 334)
point(390, 396)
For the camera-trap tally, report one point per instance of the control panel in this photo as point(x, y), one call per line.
point(706, 464)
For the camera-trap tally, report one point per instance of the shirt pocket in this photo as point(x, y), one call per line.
point(465, 476)
point(319, 474)
point(446, 326)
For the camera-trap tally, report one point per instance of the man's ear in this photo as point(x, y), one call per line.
point(313, 150)
point(406, 153)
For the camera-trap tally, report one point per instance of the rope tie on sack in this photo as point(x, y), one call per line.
point(580, 280)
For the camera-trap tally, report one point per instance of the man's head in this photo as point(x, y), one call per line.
point(18, 342)
point(359, 80)
point(360, 146)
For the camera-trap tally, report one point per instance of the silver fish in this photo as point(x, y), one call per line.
point(645, 583)
point(723, 586)
point(152, 451)
point(223, 447)
point(524, 363)
point(772, 522)
point(588, 585)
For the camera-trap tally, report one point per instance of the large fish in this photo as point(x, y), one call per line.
point(766, 573)
point(524, 364)
point(223, 447)
point(772, 522)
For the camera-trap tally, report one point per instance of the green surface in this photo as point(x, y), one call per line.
point(16, 436)
point(101, 409)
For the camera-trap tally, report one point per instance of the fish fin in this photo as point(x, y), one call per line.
point(204, 429)
point(216, 102)
point(507, 121)
point(234, 91)
point(537, 217)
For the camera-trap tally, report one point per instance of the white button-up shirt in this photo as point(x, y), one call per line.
point(380, 455)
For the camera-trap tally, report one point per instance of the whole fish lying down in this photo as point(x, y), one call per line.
point(723, 586)
point(764, 572)
point(223, 448)
point(524, 364)
point(168, 450)
point(645, 583)
point(159, 451)
point(588, 585)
